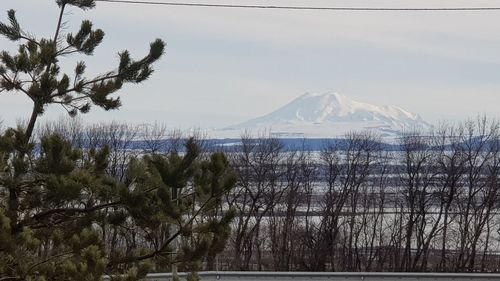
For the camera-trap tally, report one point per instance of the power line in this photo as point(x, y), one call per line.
point(299, 7)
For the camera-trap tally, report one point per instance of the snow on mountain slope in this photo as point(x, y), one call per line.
point(331, 115)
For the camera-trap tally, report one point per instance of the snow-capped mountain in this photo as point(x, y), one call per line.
point(332, 115)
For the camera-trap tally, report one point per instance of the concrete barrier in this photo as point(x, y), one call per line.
point(331, 276)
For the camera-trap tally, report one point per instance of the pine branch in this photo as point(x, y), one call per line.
point(13, 31)
point(162, 249)
point(85, 84)
point(46, 261)
point(68, 211)
point(10, 278)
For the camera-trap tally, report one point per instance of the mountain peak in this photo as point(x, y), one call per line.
point(313, 107)
point(332, 95)
point(331, 110)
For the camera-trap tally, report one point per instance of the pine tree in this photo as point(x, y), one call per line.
point(34, 70)
point(62, 217)
point(72, 221)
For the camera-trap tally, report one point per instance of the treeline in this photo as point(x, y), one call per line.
point(431, 206)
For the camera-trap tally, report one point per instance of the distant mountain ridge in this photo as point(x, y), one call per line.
point(330, 115)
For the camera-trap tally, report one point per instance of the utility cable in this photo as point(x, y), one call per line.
point(184, 4)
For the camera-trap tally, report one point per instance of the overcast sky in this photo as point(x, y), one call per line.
point(224, 66)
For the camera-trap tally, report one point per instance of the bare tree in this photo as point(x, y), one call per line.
point(286, 216)
point(449, 162)
point(416, 180)
point(155, 138)
point(479, 141)
point(259, 189)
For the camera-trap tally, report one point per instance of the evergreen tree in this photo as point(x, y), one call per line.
point(34, 70)
point(72, 221)
point(62, 217)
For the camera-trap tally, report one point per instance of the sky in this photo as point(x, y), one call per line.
point(225, 66)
